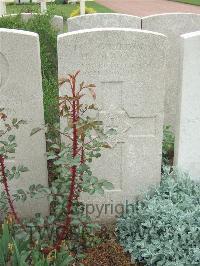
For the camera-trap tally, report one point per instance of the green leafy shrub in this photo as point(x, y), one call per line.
point(164, 227)
point(5, 239)
point(168, 146)
point(18, 253)
point(67, 230)
point(48, 38)
point(59, 2)
point(88, 10)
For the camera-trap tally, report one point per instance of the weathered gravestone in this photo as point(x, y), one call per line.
point(172, 25)
point(56, 22)
point(128, 68)
point(21, 95)
point(43, 6)
point(103, 20)
point(187, 148)
point(2, 8)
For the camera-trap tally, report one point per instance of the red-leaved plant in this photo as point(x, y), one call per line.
point(83, 138)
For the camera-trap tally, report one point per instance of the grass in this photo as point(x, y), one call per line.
point(56, 9)
point(191, 2)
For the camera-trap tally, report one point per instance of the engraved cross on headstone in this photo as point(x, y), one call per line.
point(114, 115)
point(126, 127)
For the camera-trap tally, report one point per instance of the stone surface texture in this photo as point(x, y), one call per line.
point(128, 68)
point(57, 23)
point(21, 95)
point(103, 20)
point(187, 148)
point(172, 25)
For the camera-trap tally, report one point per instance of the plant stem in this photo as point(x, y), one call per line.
point(69, 206)
point(6, 189)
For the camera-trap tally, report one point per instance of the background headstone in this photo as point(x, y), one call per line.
point(172, 25)
point(2, 8)
point(21, 95)
point(43, 6)
point(128, 68)
point(103, 20)
point(57, 21)
point(82, 7)
point(187, 148)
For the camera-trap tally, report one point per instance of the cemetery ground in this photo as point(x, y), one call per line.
point(159, 228)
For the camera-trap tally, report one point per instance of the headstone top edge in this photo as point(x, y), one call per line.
point(194, 34)
point(169, 14)
point(31, 13)
point(19, 32)
point(139, 31)
point(102, 14)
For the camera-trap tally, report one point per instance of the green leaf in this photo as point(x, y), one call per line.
point(14, 121)
point(51, 157)
point(55, 146)
point(111, 131)
point(35, 130)
point(100, 190)
point(11, 138)
point(93, 180)
point(23, 169)
point(108, 185)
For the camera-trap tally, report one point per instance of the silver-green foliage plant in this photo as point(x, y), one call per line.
point(164, 227)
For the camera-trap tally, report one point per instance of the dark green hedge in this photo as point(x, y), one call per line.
point(48, 38)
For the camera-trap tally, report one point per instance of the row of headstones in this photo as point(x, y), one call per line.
point(129, 68)
point(57, 21)
point(180, 95)
point(43, 7)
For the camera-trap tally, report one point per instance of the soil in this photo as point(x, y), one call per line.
point(109, 253)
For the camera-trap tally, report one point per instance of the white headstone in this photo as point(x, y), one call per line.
point(103, 20)
point(22, 97)
point(43, 6)
point(2, 8)
point(57, 23)
point(82, 7)
point(187, 148)
point(128, 68)
point(172, 25)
